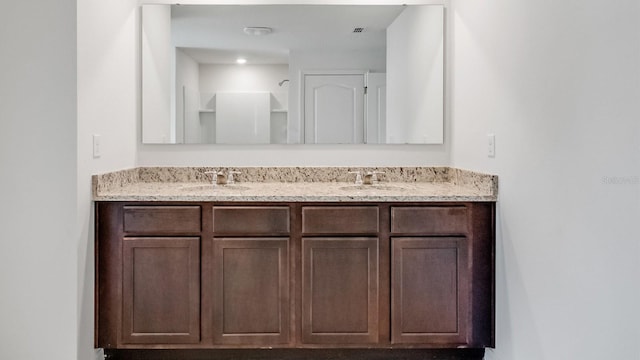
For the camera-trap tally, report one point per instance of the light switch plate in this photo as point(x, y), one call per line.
point(97, 146)
point(491, 145)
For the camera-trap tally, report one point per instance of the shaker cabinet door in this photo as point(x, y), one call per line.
point(251, 291)
point(429, 290)
point(161, 290)
point(340, 290)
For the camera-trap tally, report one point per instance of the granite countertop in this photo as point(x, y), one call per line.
point(280, 184)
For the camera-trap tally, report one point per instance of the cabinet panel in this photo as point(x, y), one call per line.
point(339, 290)
point(429, 220)
point(340, 220)
point(251, 220)
point(161, 291)
point(251, 291)
point(162, 219)
point(430, 289)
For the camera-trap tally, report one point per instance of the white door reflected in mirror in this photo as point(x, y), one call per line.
point(190, 52)
point(334, 108)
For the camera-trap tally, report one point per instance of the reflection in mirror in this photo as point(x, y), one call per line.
point(290, 74)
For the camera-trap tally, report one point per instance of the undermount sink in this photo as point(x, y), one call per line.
point(376, 187)
point(214, 187)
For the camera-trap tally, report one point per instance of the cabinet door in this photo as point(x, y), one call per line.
point(251, 291)
point(429, 290)
point(161, 290)
point(339, 290)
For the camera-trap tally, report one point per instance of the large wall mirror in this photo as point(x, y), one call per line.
point(292, 74)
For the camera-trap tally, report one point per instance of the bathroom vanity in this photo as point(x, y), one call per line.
point(396, 268)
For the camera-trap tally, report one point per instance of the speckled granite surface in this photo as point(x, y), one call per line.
point(272, 184)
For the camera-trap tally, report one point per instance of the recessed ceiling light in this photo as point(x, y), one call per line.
point(257, 30)
point(241, 61)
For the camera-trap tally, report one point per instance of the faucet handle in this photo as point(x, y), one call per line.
point(358, 177)
point(230, 178)
point(374, 175)
point(221, 178)
point(218, 177)
point(371, 177)
point(213, 175)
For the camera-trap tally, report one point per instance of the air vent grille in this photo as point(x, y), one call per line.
point(358, 29)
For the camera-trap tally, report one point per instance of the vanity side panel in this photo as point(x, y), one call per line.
point(108, 274)
point(482, 234)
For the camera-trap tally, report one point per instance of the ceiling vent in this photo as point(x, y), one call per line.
point(358, 29)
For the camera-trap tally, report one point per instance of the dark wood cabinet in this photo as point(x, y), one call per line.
point(340, 290)
point(251, 220)
point(345, 219)
point(430, 290)
point(160, 290)
point(251, 295)
point(340, 276)
point(251, 291)
point(205, 275)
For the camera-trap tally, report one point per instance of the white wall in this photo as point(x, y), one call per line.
point(292, 155)
point(38, 233)
point(186, 127)
point(558, 83)
point(108, 104)
point(158, 64)
point(415, 69)
point(225, 78)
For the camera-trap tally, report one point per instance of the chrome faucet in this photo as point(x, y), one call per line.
point(371, 177)
point(358, 177)
point(219, 177)
point(230, 177)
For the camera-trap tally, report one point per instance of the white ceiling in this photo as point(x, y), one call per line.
point(214, 33)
